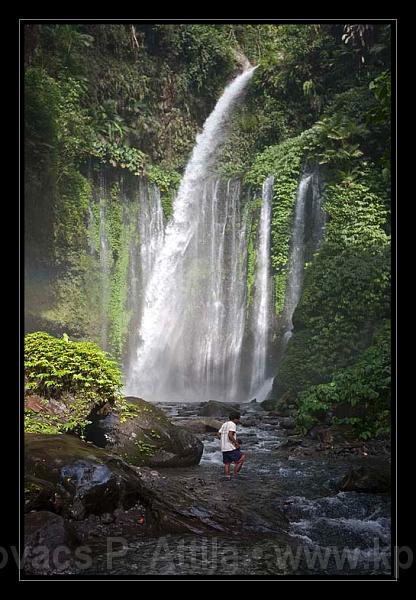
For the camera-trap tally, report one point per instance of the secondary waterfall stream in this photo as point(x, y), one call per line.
point(303, 244)
point(260, 386)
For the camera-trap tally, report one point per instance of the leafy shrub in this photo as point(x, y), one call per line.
point(366, 384)
point(54, 366)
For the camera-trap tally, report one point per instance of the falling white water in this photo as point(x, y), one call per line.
point(144, 248)
point(309, 184)
point(260, 386)
point(151, 227)
point(191, 327)
point(104, 257)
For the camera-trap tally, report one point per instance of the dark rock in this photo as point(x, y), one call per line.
point(201, 425)
point(321, 434)
point(346, 411)
point(107, 518)
point(280, 406)
point(269, 404)
point(75, 479)
point(106, 496)
point(49, 543)
point(146, 437)
point(43, 495)
point(253, 408)
point(287, 423)
point(368, 479)
point(54, 414)
point(291, 442)
point(218, 409)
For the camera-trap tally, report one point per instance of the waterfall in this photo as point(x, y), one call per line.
point(144, 248)
point(104, 259)
point(151, 227)
point(192, 323)
point(125, 234)
point(300, 244)
point(260, 386)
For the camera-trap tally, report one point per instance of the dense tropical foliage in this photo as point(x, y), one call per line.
point(128, 100)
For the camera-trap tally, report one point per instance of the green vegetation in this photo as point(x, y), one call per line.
point(73, 377)
point(144, 449)
point(53, 366)
point(108, 104)
point(284, 161)
point(365, 386)
point(127, 411)
point(346, 290)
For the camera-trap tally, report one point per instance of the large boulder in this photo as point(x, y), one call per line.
point(143, 435)
point(279, 406)
point(63, 474)
point(57, 415)
point(50, 544)
point(218, 409)
point(368, 479)
point(287, 422)
point(200, 425)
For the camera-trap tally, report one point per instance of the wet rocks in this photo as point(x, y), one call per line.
point(287, 423)
point(368, 479)
point(68, 476)
point(143, 435)
point(290, 442)
point(200, 425)
point(49, 542)
point(218, 409)
point(321, 434)
point(53, 415)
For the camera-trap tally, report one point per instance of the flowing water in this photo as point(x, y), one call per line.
point(192, 323)
point(307, 232)
point(144, 248)
point(191, 336)
point(328, 531)
point(260, 385)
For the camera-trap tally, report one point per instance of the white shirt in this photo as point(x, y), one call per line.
point(226, 445)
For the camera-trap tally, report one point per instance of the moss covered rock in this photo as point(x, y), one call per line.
point(65, 475)
point(66, 382)
point(218, 409)
point(142, 434)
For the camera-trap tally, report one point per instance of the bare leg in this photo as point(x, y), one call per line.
point(227, 469)
point(239, 464)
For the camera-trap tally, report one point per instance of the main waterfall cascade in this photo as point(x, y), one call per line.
point(190, 326)
point(179, 355)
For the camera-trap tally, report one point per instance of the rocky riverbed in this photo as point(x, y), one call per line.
point(304, 505)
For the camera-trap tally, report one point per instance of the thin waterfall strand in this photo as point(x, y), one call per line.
point(261, 306)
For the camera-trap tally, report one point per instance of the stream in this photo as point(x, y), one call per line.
point(326, 532)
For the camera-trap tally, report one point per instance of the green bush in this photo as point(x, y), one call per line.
point(346, 292)
point(366, 385)
point(54, 366)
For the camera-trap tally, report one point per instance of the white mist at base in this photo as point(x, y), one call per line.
point(264, 390)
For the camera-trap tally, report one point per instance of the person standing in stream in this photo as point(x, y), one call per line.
point(230, 446)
